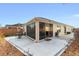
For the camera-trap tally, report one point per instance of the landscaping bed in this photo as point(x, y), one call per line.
point(6, 49)
point(73, 49)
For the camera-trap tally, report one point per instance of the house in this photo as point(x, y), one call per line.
point(14, 26)
point(39, 28)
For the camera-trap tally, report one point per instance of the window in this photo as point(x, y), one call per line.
point(41, 30)
point(31, 30)
point(45, 30)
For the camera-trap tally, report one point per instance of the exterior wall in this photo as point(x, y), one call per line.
point(54, 29)
point(62, 31)
point(55, 24)
point(25, 28)
point(68, 29)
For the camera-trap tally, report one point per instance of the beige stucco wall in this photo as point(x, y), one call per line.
point(37, 32)
point(25, 28)
point(62, 31)
point(68, 29)
point(54, 29)
point(55, 24)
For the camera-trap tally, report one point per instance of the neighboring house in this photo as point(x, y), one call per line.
point(39, 28)
point(14, 26)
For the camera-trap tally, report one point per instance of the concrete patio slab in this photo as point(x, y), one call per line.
point(44, 48)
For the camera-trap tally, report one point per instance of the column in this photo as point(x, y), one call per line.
point(37, 32)
point(54, 29)
point(25, 28)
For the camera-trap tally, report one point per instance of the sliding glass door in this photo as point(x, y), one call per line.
point(41, 30)
point(45, 30)
point(48, 30)
point(31, 30)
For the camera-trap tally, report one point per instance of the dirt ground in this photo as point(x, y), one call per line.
point(73, 49)
point(6, 49)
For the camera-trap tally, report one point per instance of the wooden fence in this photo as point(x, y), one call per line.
point(8, 32)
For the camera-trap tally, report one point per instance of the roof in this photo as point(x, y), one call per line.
point(14, 25)
point(41, 18)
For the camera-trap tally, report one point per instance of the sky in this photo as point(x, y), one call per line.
point(23, 12)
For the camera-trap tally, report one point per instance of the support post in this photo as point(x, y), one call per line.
point(54, 29)
point(37, 32)
point(25, 29)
